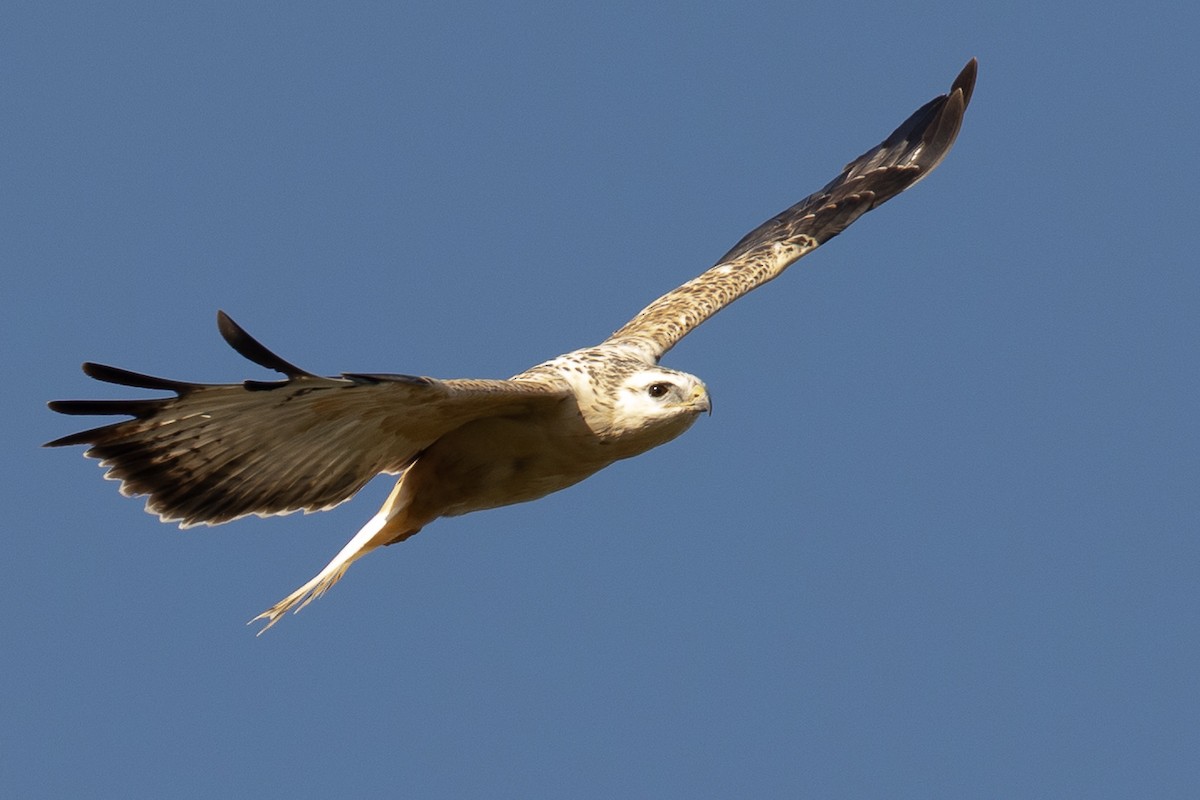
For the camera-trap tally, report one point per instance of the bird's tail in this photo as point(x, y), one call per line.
point(386, 527)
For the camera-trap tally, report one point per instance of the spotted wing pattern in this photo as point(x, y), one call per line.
point(904, 158)
point(215, 452)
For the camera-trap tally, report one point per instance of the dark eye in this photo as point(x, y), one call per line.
point(658, 389)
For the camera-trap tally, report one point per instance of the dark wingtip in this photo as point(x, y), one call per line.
point(942, 131)
point(90, 436)
point(83, 437)
point(965, 82)
point(138, 380)
point(63, 442)
point(88, 408)
point(250, 348)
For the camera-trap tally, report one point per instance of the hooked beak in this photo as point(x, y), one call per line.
point(700, 400)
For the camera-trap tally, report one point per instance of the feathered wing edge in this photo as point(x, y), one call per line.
point(253, 350)
point(212, 453)
point(237, 338)
point(197, 471)
point(910, 153)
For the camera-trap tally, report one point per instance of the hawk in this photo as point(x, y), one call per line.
point(211, 453)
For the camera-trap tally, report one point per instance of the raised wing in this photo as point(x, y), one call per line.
point(216, 452)
point(905, 157)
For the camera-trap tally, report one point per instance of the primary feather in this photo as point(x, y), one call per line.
point(211, 453)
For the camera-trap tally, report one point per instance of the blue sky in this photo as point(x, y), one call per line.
point(939, 538)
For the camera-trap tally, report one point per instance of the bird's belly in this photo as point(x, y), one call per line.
point(501, 461)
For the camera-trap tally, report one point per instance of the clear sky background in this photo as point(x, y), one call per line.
point(940, 538)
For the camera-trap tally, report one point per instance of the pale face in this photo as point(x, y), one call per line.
point(659, 402)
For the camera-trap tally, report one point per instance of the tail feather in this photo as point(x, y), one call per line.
point(387, 526)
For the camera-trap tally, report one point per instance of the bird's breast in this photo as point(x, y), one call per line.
point(504, 460)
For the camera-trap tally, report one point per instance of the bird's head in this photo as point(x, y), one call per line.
point(657, 404)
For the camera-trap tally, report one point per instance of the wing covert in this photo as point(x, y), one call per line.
point(910, 153)
point(215, 452)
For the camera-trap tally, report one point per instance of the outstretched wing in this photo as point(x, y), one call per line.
point(216, 452)
point(905, 157)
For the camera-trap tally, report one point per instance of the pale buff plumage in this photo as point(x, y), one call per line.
point(212, 453)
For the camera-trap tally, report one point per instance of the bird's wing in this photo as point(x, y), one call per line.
point(905, 157)
point(216, 452)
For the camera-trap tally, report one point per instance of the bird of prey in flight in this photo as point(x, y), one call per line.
point(211, 453)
